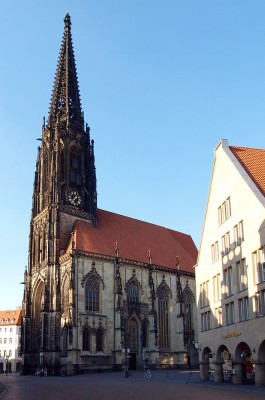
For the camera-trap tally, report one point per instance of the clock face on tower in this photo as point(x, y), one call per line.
point(74, 198)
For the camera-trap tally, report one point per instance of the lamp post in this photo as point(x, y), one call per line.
point(7, 357)
point(41, 359)
point(126, 352)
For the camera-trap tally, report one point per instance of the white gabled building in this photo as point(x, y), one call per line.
point(230, 274)
point(10, 334)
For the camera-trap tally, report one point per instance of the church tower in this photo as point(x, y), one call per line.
point(94, 298)
point(64, 189)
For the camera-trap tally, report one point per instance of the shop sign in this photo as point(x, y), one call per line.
point(231, 334)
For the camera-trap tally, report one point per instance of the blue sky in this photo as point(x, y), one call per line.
point(161, 82)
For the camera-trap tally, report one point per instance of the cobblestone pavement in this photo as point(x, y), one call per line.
point(113, 385)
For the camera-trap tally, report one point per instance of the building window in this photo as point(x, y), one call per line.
point(216, 288)
point(215, 252)
point(10, 341)
point(132, 291)
point(65, 341)
point(86, 339)
point(243, 307)
point(259, 264)
point(204, 294)
point(145, 329)
point(11, 329)
point(92, 294)
point(133, 335)
point(62, 161)
point(206, 321)
point(228, 282)
point(65, 296)
point(261, 303)
point(99, 339)
point(218, 317)
point(5, 340)
point(226, 243)
point(238, 233)
point(230, 313)
point(242, 275)
point(75, 167)
point(163, 322)
point(224, 211)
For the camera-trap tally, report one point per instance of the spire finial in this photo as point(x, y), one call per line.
point(65, 109)
point(67, 21)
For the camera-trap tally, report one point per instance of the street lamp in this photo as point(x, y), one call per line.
point(41, 358)
point(7, 357)
point(126, 351)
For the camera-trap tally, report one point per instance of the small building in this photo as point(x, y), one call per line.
point(230, 274)
point(10, 334)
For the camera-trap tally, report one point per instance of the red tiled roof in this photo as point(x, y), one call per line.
point(253, 161)
point(134, 239)
point(10, 317)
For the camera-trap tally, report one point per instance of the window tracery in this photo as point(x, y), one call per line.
point(133, 291)
point(163, 316)
point(92, 289)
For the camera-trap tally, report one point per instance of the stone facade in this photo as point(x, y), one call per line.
point(230, 279)
point(123, 323)
point(88, 304)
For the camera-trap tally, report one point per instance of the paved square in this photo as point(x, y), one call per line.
point(114, 385)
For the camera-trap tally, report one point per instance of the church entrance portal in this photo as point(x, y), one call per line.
point(132, 361)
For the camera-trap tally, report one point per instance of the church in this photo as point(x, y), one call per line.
point(102, 291)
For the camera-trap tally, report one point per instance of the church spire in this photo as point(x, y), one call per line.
point(65, 104)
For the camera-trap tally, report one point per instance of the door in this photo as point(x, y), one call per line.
point(132, 361)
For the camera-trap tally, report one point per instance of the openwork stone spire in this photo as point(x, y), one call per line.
point(65, 105)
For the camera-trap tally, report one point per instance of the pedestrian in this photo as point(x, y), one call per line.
point(45, 371)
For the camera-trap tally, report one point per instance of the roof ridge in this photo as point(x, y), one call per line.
point(247, 148)
point(140, 220)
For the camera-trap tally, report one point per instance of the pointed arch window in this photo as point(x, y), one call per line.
point(92, 290)
point(145, 329)
point(65, 296)
point(188, 300)
point(45, 176)
point(163, 317)
point(132, 290)
point(75, 175)
point(86, 339)
point(133, 335)
point(62, 172)
point(99, 339)
point(65, 341)
point(38, 323)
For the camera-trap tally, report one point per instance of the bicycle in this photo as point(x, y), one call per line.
point(147, 373)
